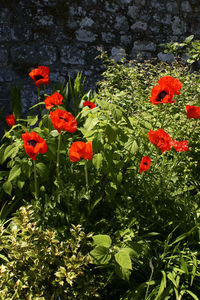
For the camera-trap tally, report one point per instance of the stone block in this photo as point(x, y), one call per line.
point(85, 36)
point(126, 40)
point(3, 57)
point(108, 37)
point(33, 55)
point(172, 7)
point(166, 57)
point(185, 6)
point(117, 53)
point(72, 55)
point(178, 26)
point(86, 22)
point(5, 33)
point(121, 23)
point(133, 12)
point(139, 26)
point(144, 46)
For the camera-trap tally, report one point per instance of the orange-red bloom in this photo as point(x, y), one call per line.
point(40, 75)
point(193, 112)
point(180, 146)
point(80, 150)
point(161, 139)
point(63, 120)
point(33, 144)
point(89, 104)
point(165, 90)
point(145, 164)
point(10, 120)
point(54, 99)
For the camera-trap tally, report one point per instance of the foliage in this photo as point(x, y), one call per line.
point(146, 225)
point(38, 265)
point(189, 47)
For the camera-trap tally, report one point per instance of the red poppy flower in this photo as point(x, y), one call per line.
point(63, 120)
point(80, 150)
point(55, 99)
point(40, 75)
point(165, 90)
point(10, 120)
point(89, 104)
point(161, 139)
point(33, 144)
point(145, 164)
point(173, 83)
point(193, 112)
point(180, 146)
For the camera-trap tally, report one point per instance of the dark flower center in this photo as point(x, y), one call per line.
point(63, 119)
point(146, 164)
point(38, 77)
point(32, 143)
point(161, 96)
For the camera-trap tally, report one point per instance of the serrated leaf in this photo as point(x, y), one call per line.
point(102, 240)
point(101, 254)
point(123, 259)
point(131, 146)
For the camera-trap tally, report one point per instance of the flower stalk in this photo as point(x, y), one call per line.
point(86, 177)
point(58, 156)
point(35, 180)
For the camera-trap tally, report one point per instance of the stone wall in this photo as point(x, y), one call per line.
point(66, 36)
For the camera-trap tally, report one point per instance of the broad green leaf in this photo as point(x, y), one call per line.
point(9, 151)
point(171, 277)
point(14, 172)
point(20, 184)
point(54, 133)
point(90, 123)
point(184, 266)
point(97, 160)
point(43, 170)
point(123, 273)
point(123, 259)
point(7, 187)
point(101, 254)
point(102, 240)
point(131, 146)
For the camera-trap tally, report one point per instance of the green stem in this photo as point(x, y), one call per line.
point(35, 179)
point(163, 120)
point(39, 98)
point(152, 269)
point(58, 156)
point(86, 177)
point(44, 90)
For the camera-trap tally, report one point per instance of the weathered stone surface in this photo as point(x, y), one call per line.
point(117, 53)
point(172, 7)
point(126, 39)
point(186, 7)
point(72, 55)
point(108, 37)
point(5, 33)
point(139, 26)
point(140, 2)
point(86, 22)
point(121, 23)
point(144, 46)
point(34, 55)
point(133, 12)
point(85, 35)
point(20, 33)
point(166, 57)
point(3, 57)
point(178, 26)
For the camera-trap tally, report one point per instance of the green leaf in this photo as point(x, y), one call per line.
point(189, 38)
point(32, 120)
point(7, 187)
point(123, 259)
point(43, 171)
point(162, 285)
point(20, 184)
point(101, 254)
point(192, 294)
point(9, 151)
point(102, 240)
point(14, 172)
point(131, 146)
point(123, 273)
point(97, 161)
point(54, 133)
point(90, 123)
point(184, 266)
